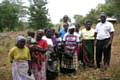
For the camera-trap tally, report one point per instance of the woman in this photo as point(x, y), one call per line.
point(38, 57)
point(70, 59)
point(51, 56)
point(20, 58)
point(30, 37)
point(87, 35)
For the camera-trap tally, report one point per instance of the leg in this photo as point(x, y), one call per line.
point(99, 49)
point(107, 55)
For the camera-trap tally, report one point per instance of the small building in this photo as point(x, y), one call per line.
point(110, 19)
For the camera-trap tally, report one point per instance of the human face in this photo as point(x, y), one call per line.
point(39, 35)
point(49, 34)
point(103, 19)
point(88, 25)
point(77, 28)
point(71, 31)
point(65, 19)
point(21, 43)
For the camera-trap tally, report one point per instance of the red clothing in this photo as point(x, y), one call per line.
point(38, 57)
point(43, 44)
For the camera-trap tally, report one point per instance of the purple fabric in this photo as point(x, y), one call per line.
point(54, 40)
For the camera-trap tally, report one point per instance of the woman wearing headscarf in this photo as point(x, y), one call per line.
point(20, 58)
point(38, 57)
point(87, 35)
point(70, 59)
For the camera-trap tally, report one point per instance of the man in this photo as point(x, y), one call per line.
point(64, 20)
point(103, 35)
point(64, 30)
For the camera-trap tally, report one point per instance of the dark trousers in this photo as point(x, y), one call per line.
point(102, 50)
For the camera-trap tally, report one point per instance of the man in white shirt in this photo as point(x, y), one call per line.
point(104, 33)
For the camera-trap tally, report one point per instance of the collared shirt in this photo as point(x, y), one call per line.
point(103, 30)
point(87, 34)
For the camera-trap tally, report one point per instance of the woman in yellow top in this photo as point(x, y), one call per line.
point(20, 58)
point(87, 35)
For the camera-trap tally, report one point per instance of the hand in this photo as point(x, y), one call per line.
point(80, 45)
point(107, 45)
point(29, 72)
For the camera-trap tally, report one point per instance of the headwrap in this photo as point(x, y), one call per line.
point(71, 27)
point(40, 31)
point(20, 37)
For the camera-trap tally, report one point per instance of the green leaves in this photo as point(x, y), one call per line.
point(9, 15)
point(38, 13)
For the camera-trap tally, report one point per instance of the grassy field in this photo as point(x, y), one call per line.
point(7, 40)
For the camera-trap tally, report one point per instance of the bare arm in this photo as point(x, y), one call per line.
point(111, 36)
point(95, 35)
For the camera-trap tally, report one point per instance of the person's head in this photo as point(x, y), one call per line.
point(65, 26)
point(40, 34)
point(65, 18)
point(57, 35)
point(88, 24)
point(45, 30)
point(77, 27)
point(49, 33)
point(71, 29)
point(53, 31)
point(20, 41)
point(31, 34)
point(103, 17)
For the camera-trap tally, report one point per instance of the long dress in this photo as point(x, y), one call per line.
point(39, 60)
point(88, 46)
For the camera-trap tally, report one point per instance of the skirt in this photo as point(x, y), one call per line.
point(40, 74)
point(88, 52)
point(19, 71)
point(70, 64)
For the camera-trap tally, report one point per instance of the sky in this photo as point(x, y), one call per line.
point(59, 8)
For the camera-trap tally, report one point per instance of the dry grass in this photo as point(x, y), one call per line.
point(112, 73)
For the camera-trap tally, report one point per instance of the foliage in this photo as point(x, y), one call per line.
point(9, 14)
point(111, 8)
point(79, 19)
point(114, 5)
point(38, 13)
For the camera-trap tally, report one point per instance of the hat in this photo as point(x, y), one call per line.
point(40, 31)
point(103, 14)
point(71, 27)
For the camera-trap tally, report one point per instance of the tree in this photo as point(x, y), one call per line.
point(79, 19)
point(38, 13)
point(9, 15)
point(114, 5)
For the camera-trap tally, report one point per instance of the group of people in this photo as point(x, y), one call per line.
point(45, 53)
